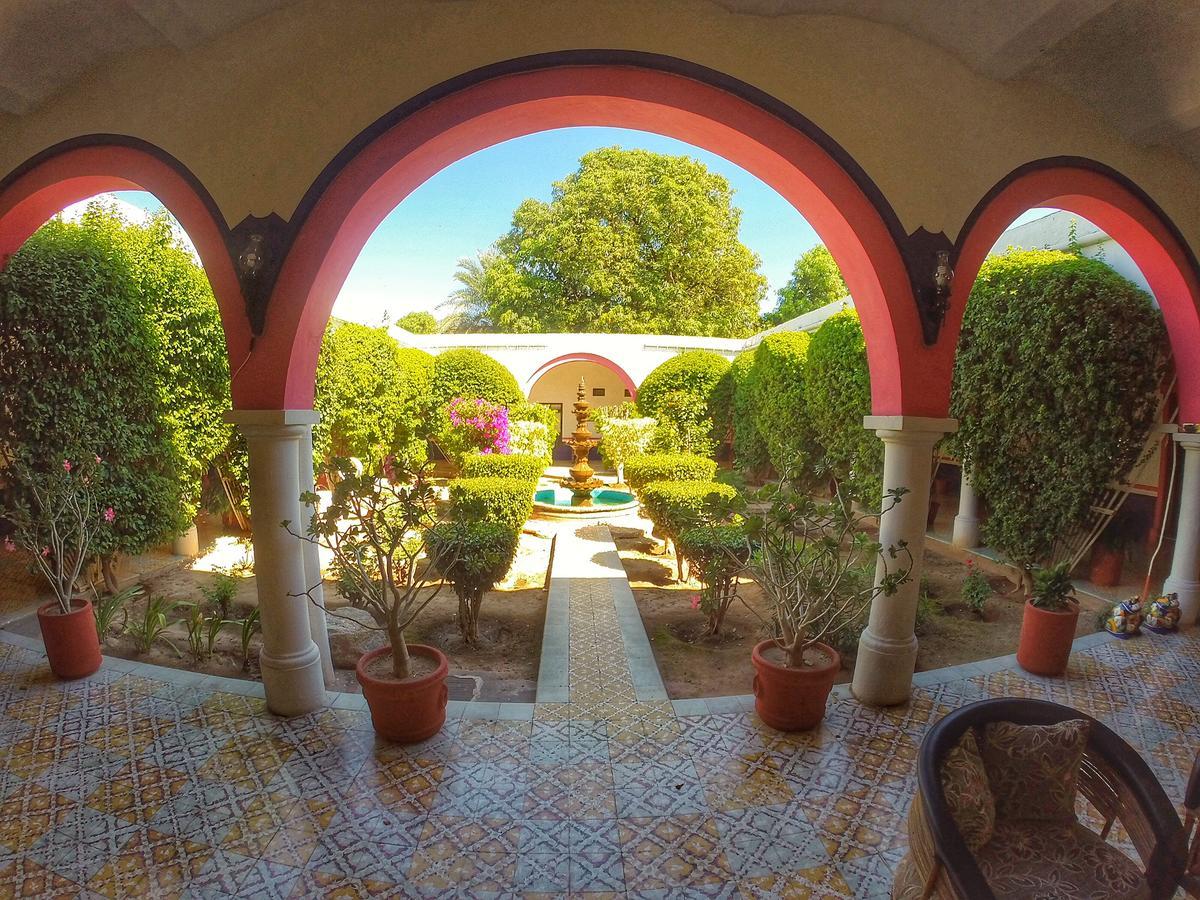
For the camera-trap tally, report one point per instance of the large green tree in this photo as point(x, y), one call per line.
point(816, 281)
point(632, 241)
point(468, 303)
point(373, 396)
point(78, 358)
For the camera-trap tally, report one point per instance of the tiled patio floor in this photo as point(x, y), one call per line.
point(125, 785)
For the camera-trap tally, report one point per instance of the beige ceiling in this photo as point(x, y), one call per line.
point(1136, 60)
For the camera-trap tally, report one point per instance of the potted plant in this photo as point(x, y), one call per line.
point(1048, 626)
point(56, 517)
point(812, 561)
point(375, 529)
point(1109, 552)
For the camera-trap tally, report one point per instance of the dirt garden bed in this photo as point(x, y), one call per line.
point(503, 667)
point(696, 666)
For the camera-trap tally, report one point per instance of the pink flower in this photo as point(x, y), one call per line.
point(695, 601)
point(45, 551)
point(98, 460)
point(67, 465)
point(109, 515)
point(9, 546)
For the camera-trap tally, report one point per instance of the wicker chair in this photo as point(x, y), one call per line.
point(1191, 829)
point(1113, 777)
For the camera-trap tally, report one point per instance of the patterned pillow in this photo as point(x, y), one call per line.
point(967, 792)
point(1034, 769)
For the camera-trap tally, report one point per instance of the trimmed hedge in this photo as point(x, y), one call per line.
point(508, 501)
point(643, 469)
point(469, 373)
point(686, 393)
point(475, 555)
point(837, 394)
point(502, 465)
point(780, 411)
point(674, 506)
point(1055, 390)
point(717, 554)
point(749, 446)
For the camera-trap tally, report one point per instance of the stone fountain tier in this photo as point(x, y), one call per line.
point(582, 481)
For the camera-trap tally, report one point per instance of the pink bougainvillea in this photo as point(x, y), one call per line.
point(479, 425)
point(109, 515)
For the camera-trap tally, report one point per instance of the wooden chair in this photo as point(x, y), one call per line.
point(1113, 777)
point(1191, 830)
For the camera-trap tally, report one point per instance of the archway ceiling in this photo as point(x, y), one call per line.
point(1137, 62)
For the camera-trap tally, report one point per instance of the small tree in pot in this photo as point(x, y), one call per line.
point(58, 519)
point(808, 560)
point(1048, 625)
point(375, 530)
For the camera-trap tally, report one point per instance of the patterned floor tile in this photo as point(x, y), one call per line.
point(202, 812)
point(28, 813)
point(474, 875)
point(82, 842)
point(152, 864)
point(23, 877)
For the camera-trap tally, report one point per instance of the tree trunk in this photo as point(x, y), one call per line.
point(109, 573)
point(401, 665)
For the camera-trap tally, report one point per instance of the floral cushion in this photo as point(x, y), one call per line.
point(1034, 769)
point(1057, 861)
point(967, 792)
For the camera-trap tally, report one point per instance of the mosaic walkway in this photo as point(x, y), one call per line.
point(142, 782)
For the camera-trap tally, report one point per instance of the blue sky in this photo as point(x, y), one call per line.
point(409, 262)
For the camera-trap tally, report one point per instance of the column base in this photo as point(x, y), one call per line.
point(1189, 598)
point(883, 670)
point(966, 533)
point(294, 684)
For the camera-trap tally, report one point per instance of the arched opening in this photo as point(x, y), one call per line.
point(556, 384)
point(367, 181)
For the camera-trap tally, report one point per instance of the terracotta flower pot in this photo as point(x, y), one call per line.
point(72, 645)
point(1106, 566)
point(792, 699)
point(406, 711)
point(1046, 637)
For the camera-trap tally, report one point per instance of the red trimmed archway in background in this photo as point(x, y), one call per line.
point(1115, 206)
point(70, 173)
point(628, 381)
point(368, 184)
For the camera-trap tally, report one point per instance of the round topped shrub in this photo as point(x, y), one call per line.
point(837, 395)
point(641, 470)
point(469, 373)
point(685, 393)
point(501, 465)
point(675, 506)
point(473, 557)
point(508, 501)
point(1055, 390)
point(749, 446)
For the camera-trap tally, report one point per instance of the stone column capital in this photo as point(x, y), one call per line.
point(914, 430)
point(283, 424)
point(1188, 440)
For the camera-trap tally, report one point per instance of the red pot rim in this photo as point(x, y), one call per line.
point(78, 606)
point(442, 670)
point(1073, 611)
point(834, 665)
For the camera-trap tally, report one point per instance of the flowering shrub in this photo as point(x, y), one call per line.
point(531, 439)
point(474, 426)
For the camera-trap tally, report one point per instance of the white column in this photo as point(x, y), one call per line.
point(966, 523)
point(290, 661)
point(1184, 579)
point(887, 650)
point(312, 561)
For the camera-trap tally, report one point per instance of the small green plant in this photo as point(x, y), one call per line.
point(507, 501)
point(250, 626)
point(716, 554)
point(675, 506)
point(221, 592)
point(153, 623)
point(107, 607)
point(202, 632)
point(1052, 588)
point(975, 588)
point(472, 556)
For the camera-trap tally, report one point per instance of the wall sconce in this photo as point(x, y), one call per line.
point(933, 295)
point(252, 259)
point(943, 275)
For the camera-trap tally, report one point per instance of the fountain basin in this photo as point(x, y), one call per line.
point(560, 503)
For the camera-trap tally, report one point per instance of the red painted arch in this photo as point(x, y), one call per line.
point(388, 167)
point(1131, 219)
point(629, 383)
point(61, 177)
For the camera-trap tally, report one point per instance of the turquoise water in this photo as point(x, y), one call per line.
point(600, 497)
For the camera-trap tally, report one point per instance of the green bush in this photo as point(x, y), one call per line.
point(473, 557)
point(501, 465)
point(77, 364)
point(675, 506)
point(837, 395)
point(687, 396)
point(420, 322)
point(1055, 390)
point(508, 501)
point(749, 446)
point(780, 411)
point(648, 467)
point(532, 440)
point(716, 554)
point(373, 397)
point(469, 373)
